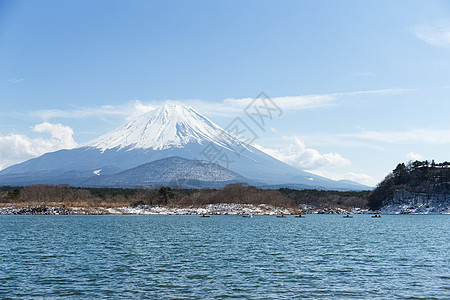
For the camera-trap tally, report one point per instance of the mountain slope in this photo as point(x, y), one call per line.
point(171, 130)
point(172, 171)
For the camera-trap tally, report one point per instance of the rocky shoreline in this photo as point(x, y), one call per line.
point(407, 202)
point(210, 209)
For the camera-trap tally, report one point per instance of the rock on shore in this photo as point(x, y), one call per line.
point(211, 209)
point(406, 202)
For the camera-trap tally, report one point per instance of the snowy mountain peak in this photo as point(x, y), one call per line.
point(171, 125)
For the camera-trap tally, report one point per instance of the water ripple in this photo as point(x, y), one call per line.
point(186, 257)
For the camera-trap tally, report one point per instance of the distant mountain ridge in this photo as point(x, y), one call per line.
point(172, 171)
point(172, 130)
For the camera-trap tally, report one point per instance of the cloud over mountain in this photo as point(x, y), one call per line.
point(15, 148)
point(298, 155)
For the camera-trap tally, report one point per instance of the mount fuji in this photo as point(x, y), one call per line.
point(143, 151)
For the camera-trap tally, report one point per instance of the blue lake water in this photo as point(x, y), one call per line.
point(187, 257)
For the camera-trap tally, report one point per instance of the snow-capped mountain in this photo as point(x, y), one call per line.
point(171, 130)
point(169, 126)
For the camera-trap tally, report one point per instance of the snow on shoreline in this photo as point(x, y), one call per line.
point(406, 202)
point(415, 209)
point(209, 209)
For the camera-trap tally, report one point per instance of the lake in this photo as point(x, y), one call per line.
point(188, 257)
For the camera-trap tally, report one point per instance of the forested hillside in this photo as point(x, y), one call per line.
point(419, 179)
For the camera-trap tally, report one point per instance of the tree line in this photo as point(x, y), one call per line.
point(324, 198)
point(64, 195)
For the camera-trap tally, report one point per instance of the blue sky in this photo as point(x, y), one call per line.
point(363, 85)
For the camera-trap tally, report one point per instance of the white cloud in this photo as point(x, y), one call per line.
point(228, 107)
point(436, 34)
point(357, 177)
point(15, 80)
point(294, 102)
point(78, 113)
point(414, 156)
point(422, 136)
point(139, 108)
point(62, 136)
point(128, 111)
point(15, 148)
point(311, 101)
point(298, 155)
